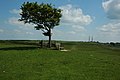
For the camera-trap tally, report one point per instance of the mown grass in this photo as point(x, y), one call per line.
point(83, 61)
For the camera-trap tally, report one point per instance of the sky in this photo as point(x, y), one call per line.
point(81, 19)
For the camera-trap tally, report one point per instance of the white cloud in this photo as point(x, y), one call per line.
point(74, 16)
point(22, 32)
point(78, 28)
point(72, 24)
point(30, 33)
point(106, 5)
point(17, 31)
point(15, 11)
point(111, 29)
point(1, 30)
point(14, 21)
point(21, 28)
point(72, 32)
point(70, 35)
point(112, 8)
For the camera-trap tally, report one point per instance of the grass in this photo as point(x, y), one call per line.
point(84, 61)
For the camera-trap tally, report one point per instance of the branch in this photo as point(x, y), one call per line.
point(43, 31)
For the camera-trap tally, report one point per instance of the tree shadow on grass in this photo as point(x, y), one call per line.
point(18, 48)
point(20, 42)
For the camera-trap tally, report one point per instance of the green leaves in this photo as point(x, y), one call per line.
point(43, 15)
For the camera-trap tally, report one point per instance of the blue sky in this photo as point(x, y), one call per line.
point(99, 19)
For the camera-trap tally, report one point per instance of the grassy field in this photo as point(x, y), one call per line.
point(22, 60)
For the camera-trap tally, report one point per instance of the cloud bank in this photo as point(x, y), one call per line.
point(112, 8)
point(74, 18)
point(1, 30)
point(15, 11)
point(112, 28)
point(14, 21)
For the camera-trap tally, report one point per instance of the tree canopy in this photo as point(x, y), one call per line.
point(44, 16)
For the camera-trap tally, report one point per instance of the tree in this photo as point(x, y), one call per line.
point(44, 16)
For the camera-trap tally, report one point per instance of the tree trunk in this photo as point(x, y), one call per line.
point(49, 38)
